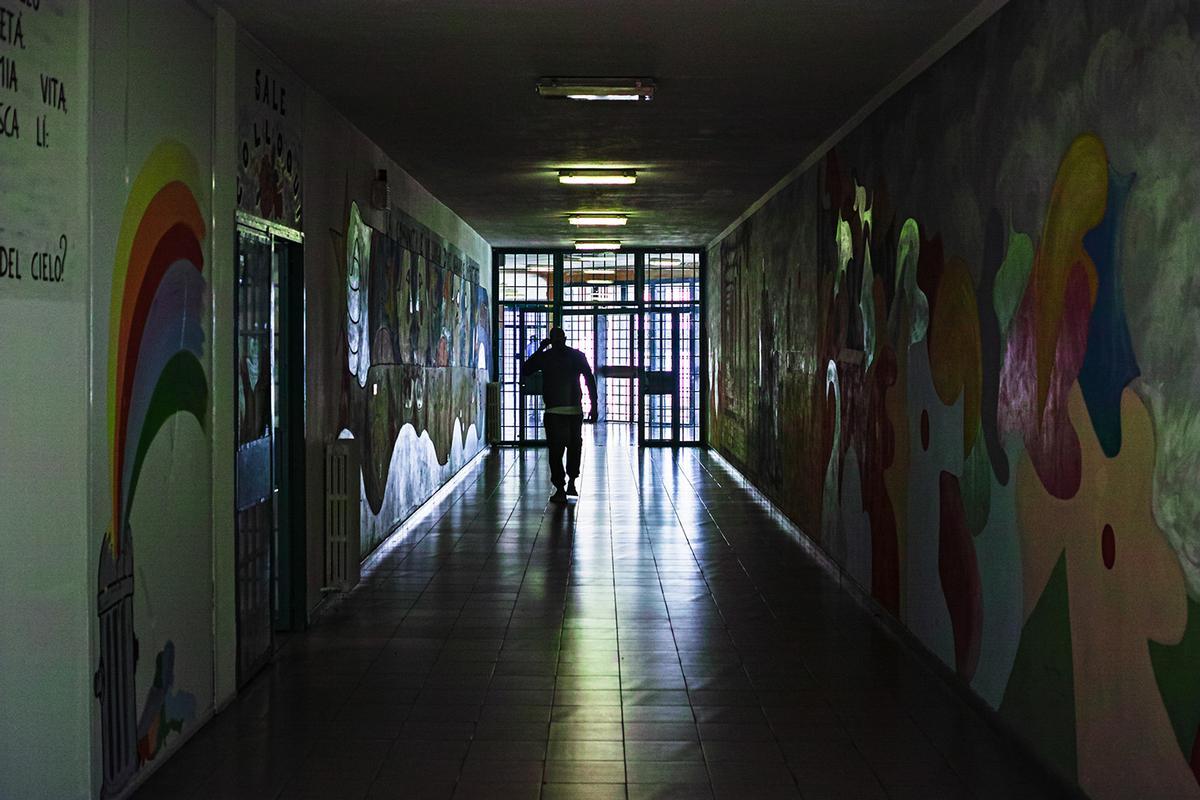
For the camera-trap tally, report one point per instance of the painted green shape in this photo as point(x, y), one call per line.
point(866, 307)
point(908, 251)
point(845, 243)
point(1012, 278)
point(865, 214)
point(976, 485)
point(1039, 700)
point(1175, 668)
point(181, 387)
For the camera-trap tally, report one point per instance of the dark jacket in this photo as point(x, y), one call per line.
point(561, 368)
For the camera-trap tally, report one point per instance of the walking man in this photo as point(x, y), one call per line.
point(561, 367)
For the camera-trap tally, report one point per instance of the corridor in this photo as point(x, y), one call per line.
point(665, 637)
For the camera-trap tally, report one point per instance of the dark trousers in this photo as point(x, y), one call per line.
point(564, 432)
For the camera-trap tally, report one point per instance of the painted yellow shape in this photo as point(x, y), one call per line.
point(1077, 204)
point(1125, 743)
point(954, 346)
point(169, 161)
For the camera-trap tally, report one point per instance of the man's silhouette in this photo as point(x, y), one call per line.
point(561, 367)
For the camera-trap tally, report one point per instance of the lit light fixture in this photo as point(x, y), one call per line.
point(663, 261)
point(600, 282)
point(608, 177)
point(597, 244)
point(609, 220)
point(600, 271)
point(618, 89)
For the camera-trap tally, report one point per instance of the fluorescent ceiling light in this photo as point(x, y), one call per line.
point(610, 177)
point(613, 89)
point(609, 220)
point(600, 271)
point(661, 261)
point(600, 282)
point(597, 244)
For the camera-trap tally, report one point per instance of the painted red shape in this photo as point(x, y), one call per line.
point(878, 455)
point(1194, 761)
point(959, 573)
point(1108, 546)
point(924, 429)
point(930, 263)
point(1050, 439)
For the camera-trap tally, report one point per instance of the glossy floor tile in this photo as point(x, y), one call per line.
point(663, 637)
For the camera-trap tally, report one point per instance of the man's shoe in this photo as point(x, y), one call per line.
point(571, 490)
point(559, 497)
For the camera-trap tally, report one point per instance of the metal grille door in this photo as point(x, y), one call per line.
point(660, 380)
point(637, 316)
point(620, 368)
point(521, 332)
point(671, 349)
point(255, 476)
point(581, 334)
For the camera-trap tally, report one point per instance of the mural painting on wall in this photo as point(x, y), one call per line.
point(269, 143)
point(983, 412)
point(417, 344)
point(155, 371)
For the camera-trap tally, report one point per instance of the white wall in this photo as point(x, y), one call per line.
point(153, 68)
point(45, 580)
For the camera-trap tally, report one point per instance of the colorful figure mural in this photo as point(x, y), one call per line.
point(155, 371)
point(988, 415)
point(417, 342)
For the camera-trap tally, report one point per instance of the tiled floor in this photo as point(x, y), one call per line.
point(663, 638)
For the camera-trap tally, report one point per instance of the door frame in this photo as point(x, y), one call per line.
point(639, 307)
point(609, 312)
point(288, 561)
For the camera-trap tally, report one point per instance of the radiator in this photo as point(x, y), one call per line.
point(342, 490)
point(493, 413)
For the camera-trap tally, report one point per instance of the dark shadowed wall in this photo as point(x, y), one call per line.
point(961, 352)
point(397, 330)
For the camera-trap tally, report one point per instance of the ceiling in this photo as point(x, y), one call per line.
point(745, 91)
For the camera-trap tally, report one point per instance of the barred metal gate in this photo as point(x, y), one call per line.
point(638, 316)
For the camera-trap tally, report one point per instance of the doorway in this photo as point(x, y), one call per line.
point(637, 316)
point(609, 340)
point(671, 385)
point(269, 433)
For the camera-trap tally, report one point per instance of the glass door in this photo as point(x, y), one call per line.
point(521, 333)
point(660, 379)
point(617, 371)
point(670, 399)
point(637, 315)
point(608, 340)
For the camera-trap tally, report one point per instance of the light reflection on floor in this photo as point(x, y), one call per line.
point(662, 637)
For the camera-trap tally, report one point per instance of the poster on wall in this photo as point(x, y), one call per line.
point(42, 156)
point(270, 130)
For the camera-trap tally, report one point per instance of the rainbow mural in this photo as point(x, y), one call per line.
point(155, 370)
point(155, 338)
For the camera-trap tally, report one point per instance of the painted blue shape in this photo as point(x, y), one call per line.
point(1109, 364)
